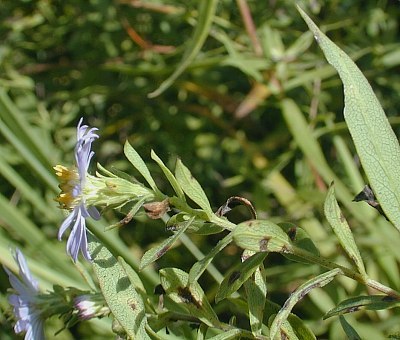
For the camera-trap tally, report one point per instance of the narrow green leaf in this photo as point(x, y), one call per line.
point(297, 295)
point(228, 335)
point(342, 230)
point(200, 266)
point(375, 141)
point(139, 164)
point(171, 178)
point(156, 252)
point(191, 187)
point(123, 300)
point(239, 275)
point(261, 236)
point(206, 14)
point(256, 291)
point(348, 329)
point(369, 302)
point(175, 283)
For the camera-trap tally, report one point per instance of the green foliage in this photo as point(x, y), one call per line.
point(254, 114)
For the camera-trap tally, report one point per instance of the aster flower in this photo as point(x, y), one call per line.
point(74, 185)
point(29, 316)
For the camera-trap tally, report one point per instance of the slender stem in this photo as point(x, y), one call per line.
point(249, 25)
point(346, 272)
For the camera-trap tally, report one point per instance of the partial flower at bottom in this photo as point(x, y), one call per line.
point(75, 186)
point(24, 301)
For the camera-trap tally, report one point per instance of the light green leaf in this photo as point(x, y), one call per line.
point(342, 230)
point(300, 239)
point(228, 335)
point(123, 300)
point(375, 141)
point(369, 302)
point(261, 236)
point(206, 14)
point(239, 275)
point(191, 187)
point(175, 283)
point(156, 252)
point(297, 295)
point(139, 164)
point(171, 178)
point(200, 266)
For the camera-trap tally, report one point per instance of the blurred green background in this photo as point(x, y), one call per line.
point(254, 115)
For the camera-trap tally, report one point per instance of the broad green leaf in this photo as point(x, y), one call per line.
point(239, 275)
point(369, 302)
point(175, 283)
point(139, 164)
point(156, 252)
point(123, 300)
point(261, 236)
point(375, 141)
point(256, 292)
point(171, 178)
point(191, 187)
point(342, 230)
point(297, 295)
point(133, 276)
point(200, 266)
point(206, 12)
point(348, 329)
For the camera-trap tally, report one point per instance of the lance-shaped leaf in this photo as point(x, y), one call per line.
point(171, 178)
point(198, 226)
point(342, 230)
point(156, 252)
point(240, 274)
point(139, 164)
point(175, 283)
point(348, 329)
point(191, 187)
point(256, 291)
point(200, 266)
point(123, 300)
point(297, 295)
point(261, 236)
point(369, 302)
point(375, 141)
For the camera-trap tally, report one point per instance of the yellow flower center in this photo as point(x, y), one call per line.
point(69, 185)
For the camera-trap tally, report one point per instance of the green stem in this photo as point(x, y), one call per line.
point(346, 272)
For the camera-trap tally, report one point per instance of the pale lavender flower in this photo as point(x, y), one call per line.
point(29, 317)
point(72, 196)
point(90, 306)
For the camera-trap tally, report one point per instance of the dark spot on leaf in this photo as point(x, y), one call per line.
point(132, 304)
point(187, 297)
point(233, 277)
point(250, 224)
point(389, 298)
point(162, 251)
point(159, 290)
point(342, 219)
point(264, 244)
point(352, 309)
point(292, 233)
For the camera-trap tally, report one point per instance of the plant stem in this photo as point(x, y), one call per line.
point(346, 272)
